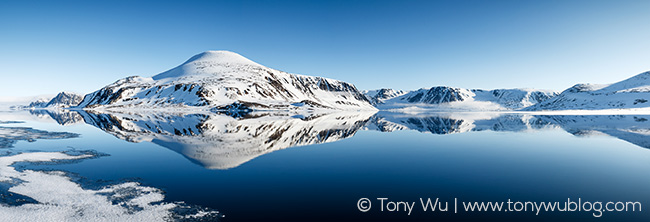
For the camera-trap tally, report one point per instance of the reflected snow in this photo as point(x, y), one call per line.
point(36, 195)
point(236, 159)
point(220, 141)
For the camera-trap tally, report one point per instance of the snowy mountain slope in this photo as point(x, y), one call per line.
point(437, 95)
point(449, 98)
point(633, 92)
point(222, 142)
point(380, 95)
point(514, 98)
point(64, 100)
point(61, 100)
point(40, 103)
point(221, 79)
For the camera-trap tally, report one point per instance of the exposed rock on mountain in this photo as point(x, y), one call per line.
point(449, 98)
point(437, 95)
point(61, 100)
point(381, 95)
point(515, 98)
point(630, 93)
point(225, 80)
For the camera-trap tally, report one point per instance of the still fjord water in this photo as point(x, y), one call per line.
point(375, 156)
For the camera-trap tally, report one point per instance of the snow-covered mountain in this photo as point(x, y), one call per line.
point(515, 98)
point(64, 100)
point(444, 97)
point(224, 80)
point(40, 103)
point(630, 93)
point(437, 95)
point(61, 100)
point(380, 95)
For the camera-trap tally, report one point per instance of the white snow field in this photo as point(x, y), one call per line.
point(59, 198)
point(630, 94)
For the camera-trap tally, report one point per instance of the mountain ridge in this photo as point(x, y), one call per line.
point(453, 98)
point(633, 92)
point(61, 100)
point(222, 79)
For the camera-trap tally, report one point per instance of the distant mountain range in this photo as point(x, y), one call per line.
point(61, 100)
point(443, 97)
point(224, 81)
point(380, 96)
point(630, 93)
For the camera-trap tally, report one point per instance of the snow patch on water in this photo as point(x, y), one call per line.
point(59, 198)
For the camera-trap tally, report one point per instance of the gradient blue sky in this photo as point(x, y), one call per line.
point(46, 47)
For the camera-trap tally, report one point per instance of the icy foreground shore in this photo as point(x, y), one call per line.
point(55, 196)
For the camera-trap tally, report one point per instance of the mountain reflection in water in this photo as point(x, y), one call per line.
point(220, 141)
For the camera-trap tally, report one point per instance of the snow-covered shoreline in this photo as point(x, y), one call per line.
point(59, 198)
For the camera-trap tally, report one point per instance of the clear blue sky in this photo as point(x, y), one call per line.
point(51, 46)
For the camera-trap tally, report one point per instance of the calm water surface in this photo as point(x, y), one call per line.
point(276, 167)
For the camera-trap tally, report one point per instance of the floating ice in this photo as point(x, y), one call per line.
point(9, 135)
point(58, 198)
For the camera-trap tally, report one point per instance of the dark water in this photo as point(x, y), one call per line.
point(277, 167)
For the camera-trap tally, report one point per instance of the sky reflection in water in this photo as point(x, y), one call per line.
point(242, 167)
